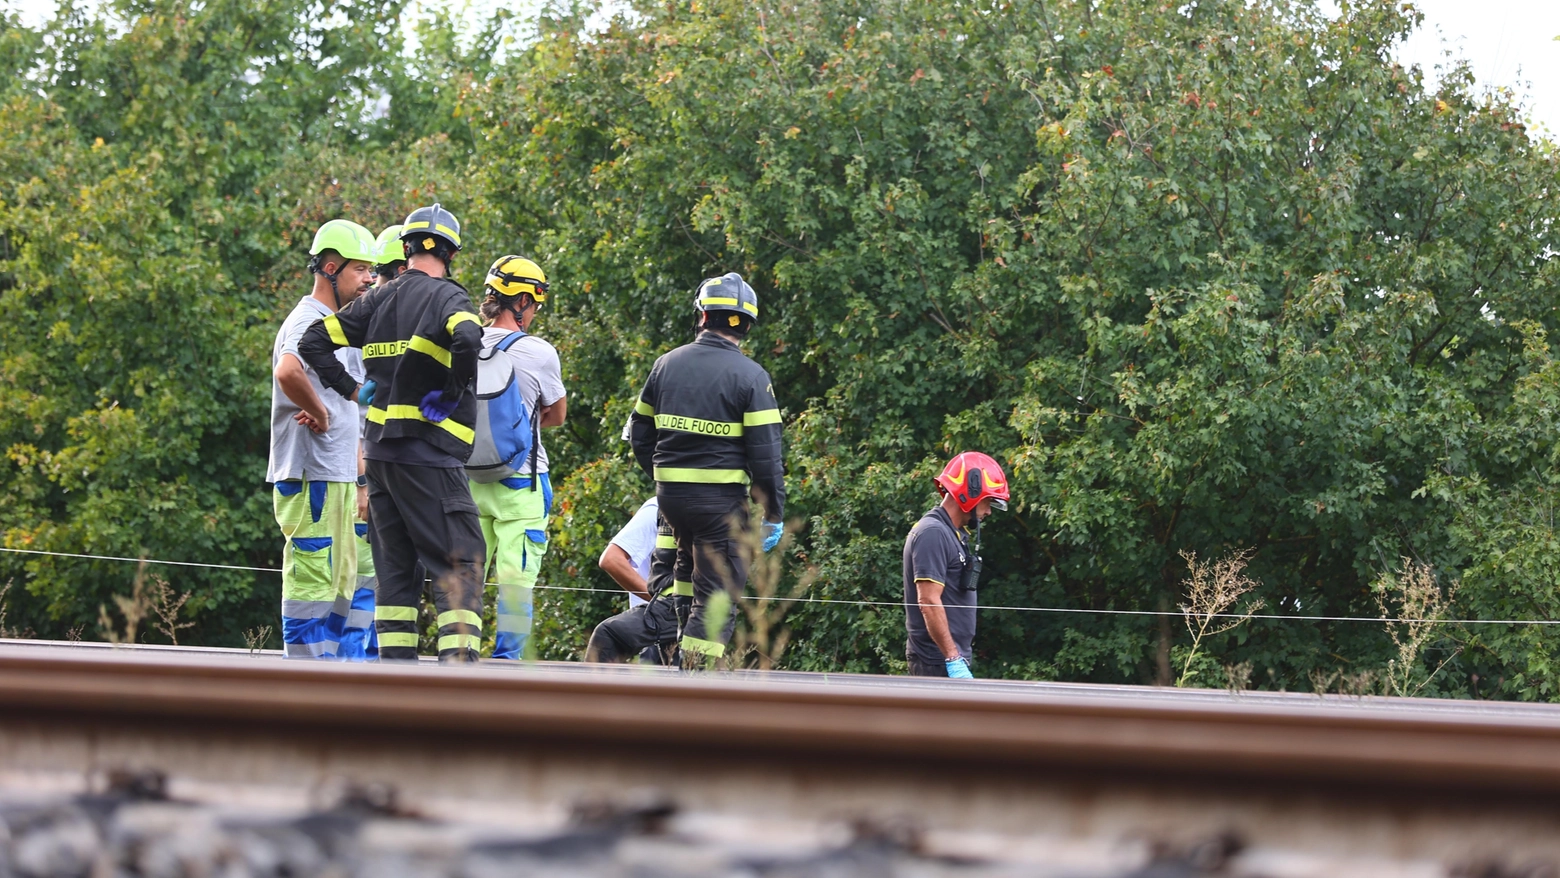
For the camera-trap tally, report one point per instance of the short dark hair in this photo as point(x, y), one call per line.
point(318, 260)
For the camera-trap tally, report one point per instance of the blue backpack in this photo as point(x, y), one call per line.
point(506, 435)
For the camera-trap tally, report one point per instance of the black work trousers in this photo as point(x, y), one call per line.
point(923, 668)
point(709, 522)
point(425, 514)
point(648, 631)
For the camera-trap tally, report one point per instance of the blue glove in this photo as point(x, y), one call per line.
point(366, 393)
point(772, 533)
point(959, 669)
point(435, 407)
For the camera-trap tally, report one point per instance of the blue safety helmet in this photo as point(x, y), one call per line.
point(729, 292)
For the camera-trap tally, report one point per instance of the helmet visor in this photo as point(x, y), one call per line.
point(999, 505)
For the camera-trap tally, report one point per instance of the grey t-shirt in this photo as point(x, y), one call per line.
point(296, 451)
point(937, 551)
point(539, 375)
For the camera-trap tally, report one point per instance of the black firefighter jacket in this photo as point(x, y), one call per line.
point(708, 415)
point(418, 333)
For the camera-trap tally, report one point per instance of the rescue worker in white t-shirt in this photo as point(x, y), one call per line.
point(316, 466)
point(514, 512)
point(642, 558)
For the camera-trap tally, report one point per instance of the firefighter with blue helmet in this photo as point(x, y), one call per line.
point(707, 429)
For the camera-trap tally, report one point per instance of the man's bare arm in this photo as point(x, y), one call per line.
point(616, 562)
point(929, 594)
point(295, 384)
point(553, 415)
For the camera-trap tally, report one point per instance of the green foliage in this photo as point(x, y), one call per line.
point(1208, 278)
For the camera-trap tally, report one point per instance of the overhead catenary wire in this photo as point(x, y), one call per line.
point(1081, 611)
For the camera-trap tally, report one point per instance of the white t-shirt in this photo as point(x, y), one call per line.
point(296, 451)
point(539, 375)
point(637, 540)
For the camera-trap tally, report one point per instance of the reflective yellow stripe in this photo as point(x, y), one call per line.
point(393, 639)
point(643, 408)
point(424, 346)
point(750, 308)
point(460, 641)
point(378, 415)
point(697, 476)
point(337, 334)
point(451, 617)
point(395, 614)
point(718, 300)
point(665, 542)
point(416, 225)
point(697, 425)
point(758, 419)
point(448, 231)
point(707, 648)
point(458, 318)
point(384, 349)
point(682, 589)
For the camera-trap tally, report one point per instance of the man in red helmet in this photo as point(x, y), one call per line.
point(942, 569)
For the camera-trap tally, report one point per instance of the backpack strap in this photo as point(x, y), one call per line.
point(536, 441)
point(509, 340)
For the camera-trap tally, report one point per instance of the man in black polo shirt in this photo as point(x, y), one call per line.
point(942, 571)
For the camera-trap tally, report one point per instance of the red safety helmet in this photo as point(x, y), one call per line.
point(972, 477)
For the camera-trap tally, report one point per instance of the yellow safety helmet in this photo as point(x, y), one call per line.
point(513, 275)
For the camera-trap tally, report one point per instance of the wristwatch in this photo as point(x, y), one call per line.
point(362, 480)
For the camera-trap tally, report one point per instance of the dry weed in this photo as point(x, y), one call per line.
point(156, 601)
point(762, 640)
point(1212, 591)
point(257, 638)
point(1423, 609)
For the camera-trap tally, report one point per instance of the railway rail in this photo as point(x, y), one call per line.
point(1077, 780)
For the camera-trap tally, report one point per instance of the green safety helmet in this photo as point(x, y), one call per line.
point(346, 237)
point(729, 292)
point(430, 222)
point(387, 249)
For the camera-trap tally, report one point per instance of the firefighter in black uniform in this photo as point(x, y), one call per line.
point(420, 338)
point(707, 429)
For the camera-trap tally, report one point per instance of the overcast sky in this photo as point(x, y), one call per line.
point(1510, 43)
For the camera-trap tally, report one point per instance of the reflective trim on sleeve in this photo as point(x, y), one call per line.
point(643, 408)
point(467, 617)
point(395, 614)
point(700, 476)
point(760, 418)
point(663, 541)
point(378, 415)
point(424, 346)
point(933, 581)
point(393, 638)
point(458, 318)
point(681, 424)
point(706, 648)
point(458, 641)
point(682, 589)
point(337, 334)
